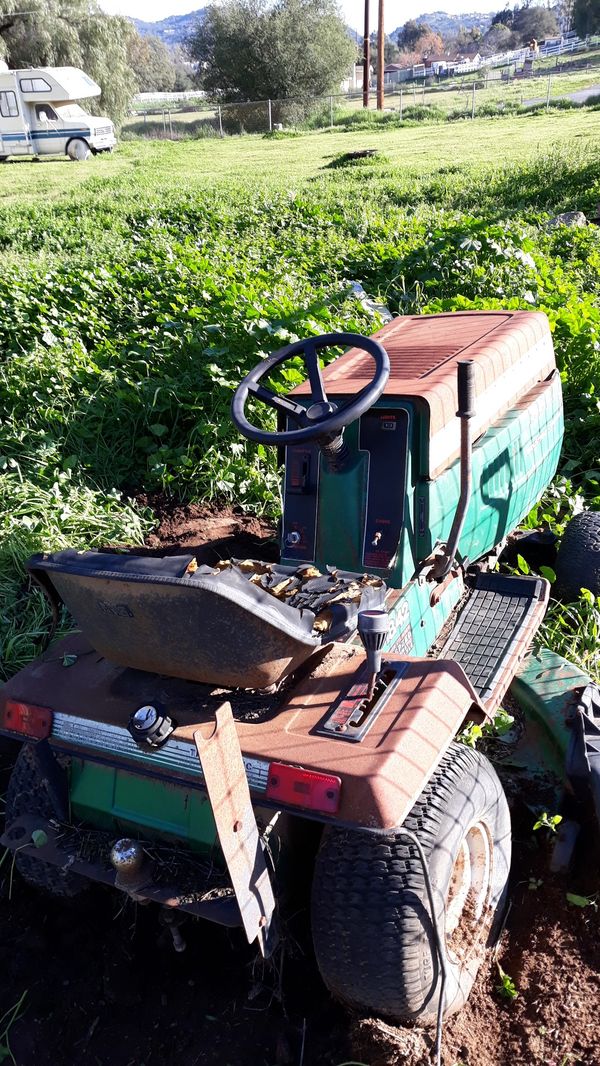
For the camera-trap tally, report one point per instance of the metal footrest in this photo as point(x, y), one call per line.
point(494, 630)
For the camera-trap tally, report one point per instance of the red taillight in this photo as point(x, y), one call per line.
point(304, 788)
point(27, 718)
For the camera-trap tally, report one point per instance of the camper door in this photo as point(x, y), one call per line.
point(14, 128)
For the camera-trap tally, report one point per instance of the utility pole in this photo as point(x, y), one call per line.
point(380, 57)
point(366, 58)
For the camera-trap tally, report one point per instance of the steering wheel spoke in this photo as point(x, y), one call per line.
point(279, 402)
point(311, 362)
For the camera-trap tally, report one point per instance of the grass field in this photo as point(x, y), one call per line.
point(136, 290)
point(141, 172)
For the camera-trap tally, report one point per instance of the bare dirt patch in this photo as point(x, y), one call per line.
point(210, 533)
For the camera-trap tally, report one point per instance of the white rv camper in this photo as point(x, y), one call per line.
point(39, 116)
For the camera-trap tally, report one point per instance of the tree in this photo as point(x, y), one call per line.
point(429, 43)
point(534, 23)
point(498, 38)
point(467, 41)
point(390, 51)
point(46, 33)
point(410, 33)
point(250, 50)
point(504, 17)
point(182, 67)
point(586, 17)
point(152, 63)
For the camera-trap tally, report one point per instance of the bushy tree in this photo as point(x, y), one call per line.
point(467, 41)
point(409, 34)
point(50, 33)
point(586, 17)
point(534, 23)
point(498, 38)
point(504, 17)
point(250, 50)
point(151, 62)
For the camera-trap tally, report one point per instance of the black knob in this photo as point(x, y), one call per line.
point(466, 388)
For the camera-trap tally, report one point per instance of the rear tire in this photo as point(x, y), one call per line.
point(372, 930)
point(28, 793)
point(578, 559)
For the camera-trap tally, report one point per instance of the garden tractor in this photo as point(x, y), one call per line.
point(211, 734)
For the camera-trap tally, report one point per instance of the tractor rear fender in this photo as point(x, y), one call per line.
point(383, 774)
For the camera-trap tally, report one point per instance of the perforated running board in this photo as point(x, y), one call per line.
point(494, 630)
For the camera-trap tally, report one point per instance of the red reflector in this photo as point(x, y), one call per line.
point(304, 788)
point(27, 718)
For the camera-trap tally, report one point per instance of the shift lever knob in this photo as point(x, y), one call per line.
point(373, 628)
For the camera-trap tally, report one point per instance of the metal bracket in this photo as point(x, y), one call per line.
point(227, 786)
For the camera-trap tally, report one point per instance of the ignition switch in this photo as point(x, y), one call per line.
point(150, 727)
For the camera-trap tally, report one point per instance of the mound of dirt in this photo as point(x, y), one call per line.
point(210, 533)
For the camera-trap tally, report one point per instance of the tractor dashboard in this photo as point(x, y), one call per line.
point(376, 466)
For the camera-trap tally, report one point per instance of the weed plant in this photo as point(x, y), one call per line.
point(130, 309)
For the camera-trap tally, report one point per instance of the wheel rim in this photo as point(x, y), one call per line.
point(469, 891)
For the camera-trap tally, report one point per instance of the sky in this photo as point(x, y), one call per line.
point(395, 13)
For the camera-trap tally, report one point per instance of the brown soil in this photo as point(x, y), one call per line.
point(105, 988)
point(210, 533)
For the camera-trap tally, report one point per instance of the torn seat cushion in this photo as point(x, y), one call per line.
point(165, 616)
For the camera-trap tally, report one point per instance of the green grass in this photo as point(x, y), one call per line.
point(136, 290)
point(151, 171)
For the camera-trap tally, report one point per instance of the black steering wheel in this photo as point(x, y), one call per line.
point(322, 417)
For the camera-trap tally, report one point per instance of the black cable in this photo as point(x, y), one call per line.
point(437, 1047)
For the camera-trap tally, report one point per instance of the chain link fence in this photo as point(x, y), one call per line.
point(487, 92)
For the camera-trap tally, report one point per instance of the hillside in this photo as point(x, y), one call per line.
point(171, 30)
point(447, 25)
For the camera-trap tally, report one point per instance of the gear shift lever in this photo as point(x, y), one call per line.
point(373, 628)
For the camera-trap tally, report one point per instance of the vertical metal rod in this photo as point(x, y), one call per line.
point(220, 122)
point(466, 411)
point(401, 105)
point(548, 92)
point(270, 117)
point(331, 112)
point(170, 125)
point(414, 93)
point(473, 104)
point(366, 58)
point(380, 57)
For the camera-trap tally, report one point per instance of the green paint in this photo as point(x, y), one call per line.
point(512, 465)
point(415, 624)
point(117, 800)
point(544, 688)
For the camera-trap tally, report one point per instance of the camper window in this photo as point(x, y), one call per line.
point(35, 85)
point(8, 105)
point(44, 111)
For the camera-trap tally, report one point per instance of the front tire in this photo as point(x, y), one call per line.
point(78, 150)
point(372, 930)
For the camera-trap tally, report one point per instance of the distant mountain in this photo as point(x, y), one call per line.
point(172, 30)
point(447, 25)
